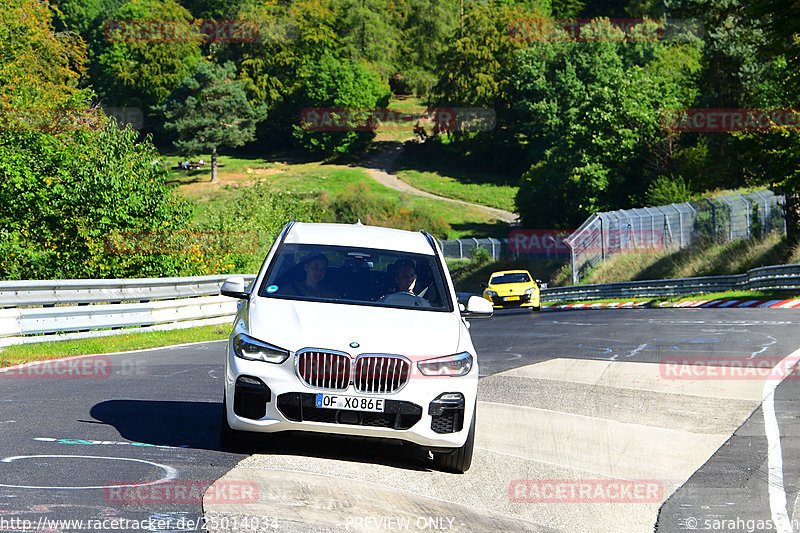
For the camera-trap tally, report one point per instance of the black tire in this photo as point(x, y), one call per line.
point(229, 438)
point(460, 459)
point(536, 309)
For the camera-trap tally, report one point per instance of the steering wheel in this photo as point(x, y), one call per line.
point(405, 299)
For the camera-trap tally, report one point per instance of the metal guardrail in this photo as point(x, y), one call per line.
point(41, 311)
point(50, 310)
point(92, 291)
point(782, 277)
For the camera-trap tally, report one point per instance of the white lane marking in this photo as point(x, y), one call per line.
point(170, 473)
point(637, 350)
point(765, 346)
point(775, 488)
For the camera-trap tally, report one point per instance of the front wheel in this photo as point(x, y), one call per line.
point(460, 459)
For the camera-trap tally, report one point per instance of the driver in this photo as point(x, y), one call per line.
point(405, 277)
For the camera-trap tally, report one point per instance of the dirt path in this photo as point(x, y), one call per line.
point(380, 167)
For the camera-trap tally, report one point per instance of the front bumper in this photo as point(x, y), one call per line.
point(285, 403)
point(524, 300)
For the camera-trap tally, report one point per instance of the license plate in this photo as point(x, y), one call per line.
point(349, 403)
point(510, 298)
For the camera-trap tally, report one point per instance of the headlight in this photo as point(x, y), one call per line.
point(531, 290)
point(449, 365)
point(491, 294)
point(247, 347)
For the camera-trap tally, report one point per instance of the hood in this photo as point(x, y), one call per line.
point(295, 324)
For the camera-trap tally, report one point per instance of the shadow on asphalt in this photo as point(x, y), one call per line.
point(196, 425)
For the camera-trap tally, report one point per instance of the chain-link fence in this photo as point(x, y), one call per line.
point(673, 226)
point(464, 248)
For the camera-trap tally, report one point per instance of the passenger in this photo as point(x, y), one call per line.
point(313, 285)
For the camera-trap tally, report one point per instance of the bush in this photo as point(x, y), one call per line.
point(258, 217)
point(64, 194)
point(668, 190)
point(332, 84)
point(358, 203)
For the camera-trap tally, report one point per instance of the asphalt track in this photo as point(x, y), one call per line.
point(566, 397)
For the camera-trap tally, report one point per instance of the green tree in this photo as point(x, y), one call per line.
point(38, 67)
point(210, 109)
point(330, 84)
point(773, 158)
point(64, 196)
point(144, 71)
point(477, 66)
point(589, 115)
point(370, 31)
point(427, 28)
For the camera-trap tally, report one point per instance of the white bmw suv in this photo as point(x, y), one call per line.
point(354, 330)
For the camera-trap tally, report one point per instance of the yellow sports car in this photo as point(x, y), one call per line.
point(512, 288)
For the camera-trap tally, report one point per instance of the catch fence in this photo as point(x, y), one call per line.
point(674, 226)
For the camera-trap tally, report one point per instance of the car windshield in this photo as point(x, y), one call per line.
point(515, 277)
point(361, 276)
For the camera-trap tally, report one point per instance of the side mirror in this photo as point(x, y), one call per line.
point(478, 307)
point(234, 287)
point(484, 285)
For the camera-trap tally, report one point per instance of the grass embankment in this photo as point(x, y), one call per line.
point(452, 178)
point(24, 353)
point(317, 178)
